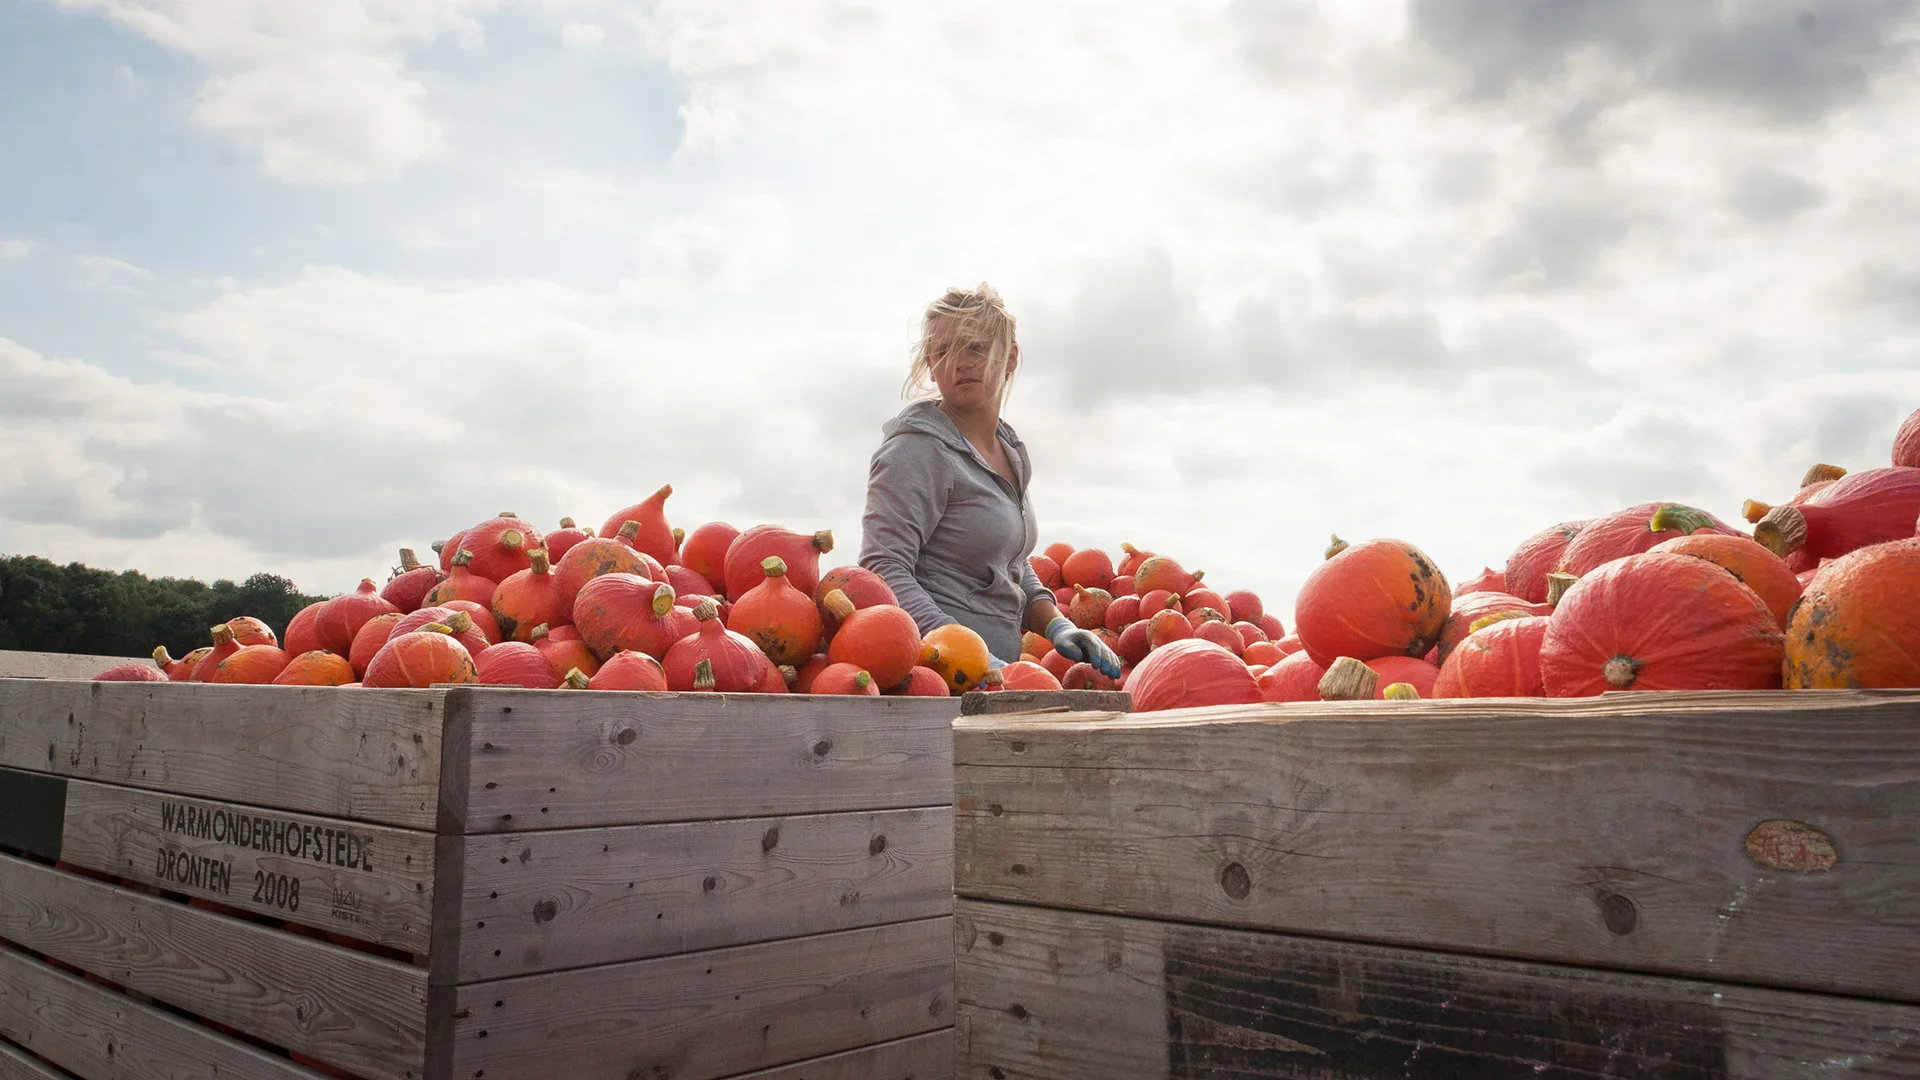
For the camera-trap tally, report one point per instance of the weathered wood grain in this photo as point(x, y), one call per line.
point(1640, 832)
point(97, 1034)
point(352, 1009)
point(369, 756)
point(544, 901)
point(17, 1064)
point(1003, 702)
point(367, 881)
point(1075, 996)
point(712, 1014)
point(15, 664)
point(919, 1057)
point(558, 759)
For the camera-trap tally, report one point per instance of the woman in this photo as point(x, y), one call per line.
point(948, 524)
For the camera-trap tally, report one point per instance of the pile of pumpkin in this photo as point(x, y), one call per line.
point(1659, 596)
point(640, 606)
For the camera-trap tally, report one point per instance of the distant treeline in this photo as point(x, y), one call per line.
point(45, 607)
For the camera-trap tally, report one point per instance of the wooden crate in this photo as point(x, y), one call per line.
point(472, 882)
point(53, 665)
point(1688, 885)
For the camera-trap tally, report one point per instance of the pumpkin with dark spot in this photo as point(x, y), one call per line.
point(1660, 622)
point(1379, 598)
point(1858, 624)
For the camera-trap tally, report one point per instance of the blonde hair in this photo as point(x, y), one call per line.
point(977, 316)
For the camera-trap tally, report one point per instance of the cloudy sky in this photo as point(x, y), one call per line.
point(286, 286)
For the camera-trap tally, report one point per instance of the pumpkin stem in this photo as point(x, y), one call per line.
point(1197, 575)
point(513, 538)
point(679, 535)
point(837, 604)
point(408, 560)
point(1557, 585)
point(703, 671)
point(1485, 621)
point(222, 634)
point(1129, 548)
point(663, 601)
point(1348, 680)
point(537, 558)
point(992, 680)
point(1336, 547)
point(1783, 530)
point(439, 628)
point(508, 514)
point(1402, 691)
point(462, 557)
point(460, 623)
point(567, 523)
point(575, 680)
point(773, 566)
point(160, 657)
point(629, 530)
point(1677, 516)
point(1620, 672)
point(862, 680)
point(823, 541)
point(1820, 473)
point(707, 610)
point(538, 632)
point(789, 674)
point(1753, 511)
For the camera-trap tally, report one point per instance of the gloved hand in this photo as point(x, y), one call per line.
point(1082, 645)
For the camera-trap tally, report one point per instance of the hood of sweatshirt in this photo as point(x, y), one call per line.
point(925, 418)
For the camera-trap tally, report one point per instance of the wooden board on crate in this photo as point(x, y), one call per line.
point(717, 886)
point(367, 881)
point(1004, 702)
point(17, 1064)
point(1047, 994)
point(1757, 838)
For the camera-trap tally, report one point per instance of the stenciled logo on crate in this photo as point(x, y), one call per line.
point(268, 834)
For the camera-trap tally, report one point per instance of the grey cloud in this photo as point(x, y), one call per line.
point(1134, 326)
point(1655, 455)
point(1773, 195)
point(1853, 430)
point(1884, 285)
point(1556, 245)
point(1791, 60)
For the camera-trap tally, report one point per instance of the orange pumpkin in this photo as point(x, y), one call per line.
point(252, 664)
point(564, 650)
point(530, 598)
point(847, 679)
point(1026, 675)
point(881, 640)
point(958, 654)
point(779, 618)
point(367, 640)
point(302, 636)
point(420, 659)
point(1470, 608)
point(1501, 659)
point(922, 682)
point(1761, 570)
point(654, 536)
point(1660, 622)
point(1857, 624)
point(1403, 669)
point(461, 584)
point(316, 667)
point(1379, 598)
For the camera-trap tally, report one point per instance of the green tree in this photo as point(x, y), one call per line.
point(45, 607)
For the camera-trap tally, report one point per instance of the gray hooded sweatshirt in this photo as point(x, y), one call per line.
point(948, 534)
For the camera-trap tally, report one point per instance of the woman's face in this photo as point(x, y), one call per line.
point(965, 372)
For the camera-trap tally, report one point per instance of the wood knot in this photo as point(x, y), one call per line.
point(878, 845)
point(820, 748)
point(626, 737)
point(1793, 846)
point(1235, 880)
point(710, 884)
point(1619, 913)
point(770, 840)
point(545, 911)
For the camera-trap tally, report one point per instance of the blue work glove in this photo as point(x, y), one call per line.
point(994, 663)
point(1082, 645)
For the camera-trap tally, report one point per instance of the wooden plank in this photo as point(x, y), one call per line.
point(549, 900)
point(1075, 996)
point(559, 759)
point(1003, 702)
point(712, 1014)
point(17, 1064)
point(368, 756)
point(367, 881)
point(95, 1033)
point(1649, 832)
point(16, 664)
point(352, 1009)
point(919, 1057)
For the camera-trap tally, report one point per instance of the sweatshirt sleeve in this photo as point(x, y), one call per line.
point(1030, 584)
point(905, 501)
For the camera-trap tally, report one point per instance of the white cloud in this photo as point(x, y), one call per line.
point(107, 272)
point(13, 248)
point(583, 36)
point(318, 92)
